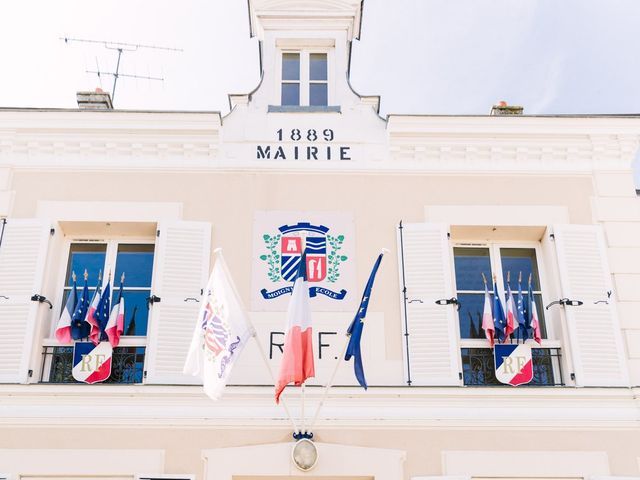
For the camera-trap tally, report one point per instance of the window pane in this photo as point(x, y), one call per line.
point(318, 66)
point(290, 94)
point(516, 260)
point(136, 315)
point(318, 94)
point(470, 264)
point(85, 255)
point(470, 315)
point(136, 261)
point(290, 66)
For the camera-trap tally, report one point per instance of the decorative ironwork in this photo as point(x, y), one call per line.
point(479, 368)
point(127, 365)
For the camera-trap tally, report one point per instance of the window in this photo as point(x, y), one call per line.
point(512, 262)
point(111, 258)
point(304, 79)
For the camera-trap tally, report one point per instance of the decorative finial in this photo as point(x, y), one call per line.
point(86, 274)
point(494, 278)
point(520, 277)
point(100, 276)
point(530, 278)
point(122, 278)
point(73, 276)
point(508, 276)
point(484, 279)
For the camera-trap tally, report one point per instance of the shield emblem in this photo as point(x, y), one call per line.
point(92, 363)
point(297, 239)
point(514, 364)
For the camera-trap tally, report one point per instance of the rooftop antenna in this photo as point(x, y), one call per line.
point(120, 48)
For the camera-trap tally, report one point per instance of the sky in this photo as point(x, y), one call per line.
point(421, 56)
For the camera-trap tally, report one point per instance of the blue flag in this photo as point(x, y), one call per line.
point(355, 329)
point(79, 328)
point(499, 320)
point(520, 314)
point(102, 312)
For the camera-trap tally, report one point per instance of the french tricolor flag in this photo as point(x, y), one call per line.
point(63, 328)
point(94, 333)
point(487, 318)
point(512, 322)
point(297, 358)
point(115, 325)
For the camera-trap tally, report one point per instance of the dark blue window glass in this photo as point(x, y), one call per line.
point(470, 315)
point(136, 261)
point(520, 261)
point(89, 256)
point(290, 66)
point(318, 94)
point(136, 316)
point(318, 66)
point(290, 94)
point(470, 264)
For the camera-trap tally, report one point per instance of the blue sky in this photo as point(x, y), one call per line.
point(421, 56)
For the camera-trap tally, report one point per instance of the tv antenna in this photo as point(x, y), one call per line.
point(120, 48)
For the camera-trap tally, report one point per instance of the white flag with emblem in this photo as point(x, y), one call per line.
point(221, 332)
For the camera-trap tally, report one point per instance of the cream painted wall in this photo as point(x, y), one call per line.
point(378, 202)
point(182, 447)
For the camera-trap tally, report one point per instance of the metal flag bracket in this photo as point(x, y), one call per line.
point(449, 301)
point(42, 299)
point(565, 301)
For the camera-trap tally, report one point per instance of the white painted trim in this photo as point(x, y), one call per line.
point(93, 462)
point(109, 211)
point(530, 463)
point(405, 407)
point(172, 476)
point(275, 460)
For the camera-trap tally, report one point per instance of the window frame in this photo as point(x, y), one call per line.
point(553, 339)
point(304, 82)
point(112, 242)
point(554, 332)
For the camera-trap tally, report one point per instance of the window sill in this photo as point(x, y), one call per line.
point(303, 109)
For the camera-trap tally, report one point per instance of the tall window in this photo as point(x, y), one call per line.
point(304, 79)
point(505, 262)
point(115, 257)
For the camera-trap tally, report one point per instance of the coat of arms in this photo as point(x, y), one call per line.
point(514, 364)
point(92, 363)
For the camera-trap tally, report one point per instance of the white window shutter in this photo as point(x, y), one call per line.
point(594, 330)
point(181, 269)
point(432, 356)
point(23, 253)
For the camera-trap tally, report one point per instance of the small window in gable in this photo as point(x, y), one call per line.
point(304, 78)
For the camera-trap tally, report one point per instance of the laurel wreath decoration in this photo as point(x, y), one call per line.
point(335, 259)
point(273, 258)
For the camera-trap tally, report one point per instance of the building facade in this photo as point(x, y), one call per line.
point(525, 199)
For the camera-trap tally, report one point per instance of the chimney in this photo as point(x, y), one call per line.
point(503, 109)
point(98, 100)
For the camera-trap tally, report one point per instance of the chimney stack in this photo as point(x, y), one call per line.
point(503, 109)
point(98, 100)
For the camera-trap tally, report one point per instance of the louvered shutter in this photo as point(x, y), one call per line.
point(594, 329)
point(180, 273)
point(22, 258)
point(432, 353)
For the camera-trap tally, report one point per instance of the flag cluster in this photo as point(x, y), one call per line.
point(93, 319)
point(521, 316)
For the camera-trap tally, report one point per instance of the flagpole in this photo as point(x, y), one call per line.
point(329, 384)
point(335, 372)
point(218, 251)
point(302, 430)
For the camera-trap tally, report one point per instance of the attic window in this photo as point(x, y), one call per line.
point(304, 80)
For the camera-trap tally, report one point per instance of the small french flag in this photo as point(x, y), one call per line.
point(115, 325)
point(63, 328)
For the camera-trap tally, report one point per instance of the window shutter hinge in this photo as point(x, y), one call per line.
point(157, 233)
point(144, 374)
point(52, 232)
point(448, 235)
point(573, 376)
point(30, 373)
point(552, 236)
point(460, 375)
